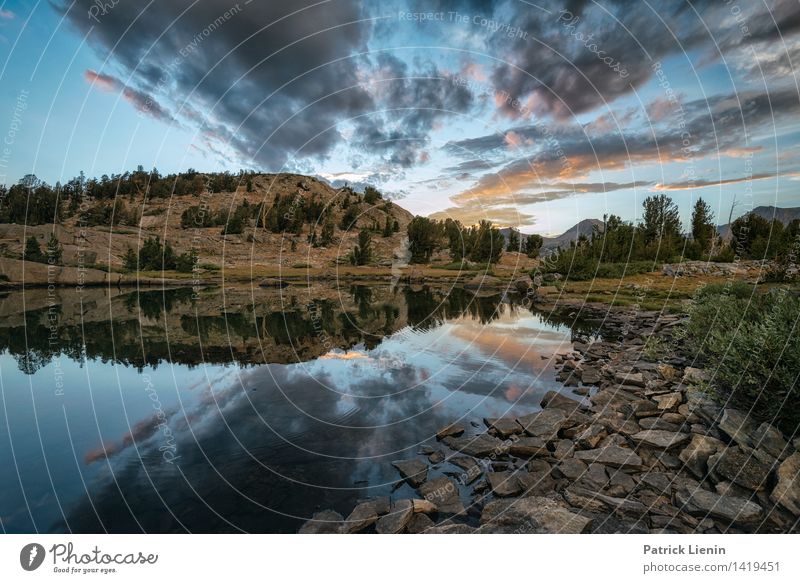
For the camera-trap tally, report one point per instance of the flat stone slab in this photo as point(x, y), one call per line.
point(453, 430)
point(443, 492)
point(612, 455)
point(483, 445)
point(529, 447)
point(414, 471)
point(740, 467)
point(503, 484)
point(737, 426)
point(362, 516)
point(544, 424)
point(531, 515)
point(504, 426)
point(728, 508)
point(660, 439)
point(596, 502)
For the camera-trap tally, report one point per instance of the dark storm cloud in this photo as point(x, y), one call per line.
point(412, 103)
point(251, 67)
point(580, 56)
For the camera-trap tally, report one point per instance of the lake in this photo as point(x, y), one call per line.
point(245, 409)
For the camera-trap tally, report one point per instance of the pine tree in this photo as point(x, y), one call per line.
point(327, 233)
point(513, 240)
point(533, 243)
point(32, 250)
point(54, 251)
point(703, 229)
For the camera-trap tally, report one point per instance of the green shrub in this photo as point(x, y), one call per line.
point(749, 342)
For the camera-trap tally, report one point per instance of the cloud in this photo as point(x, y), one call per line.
point(278, 83)
point(141, 101)
point(585, 55)
point(718, 126)
point(471, 215)
point(273, 79)
point(701, 183)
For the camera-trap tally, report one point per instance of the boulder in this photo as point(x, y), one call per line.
point(695, 455)
point(414, 471)
point(362, 516)
point(483, 445)
point(443, 492)
point(419, 524)
point(740, 467)
point(591, 437)
point(503, 484)
point(424, 506)
point(731, 509)
point(787, 490)
point(565, 448)
point(472, 469)
point(504, 426)
point(658, 423)
point(596, 502)
point(398, 518)
point(613, 455)
point(591, 376)
point(629, 378)
point(693, 375)
point(325, 522)
point(770, 440)
point(595, 478)
point(521, 285)
point(544, 424)
point(546, 290)
point(572, 468)
point(453, 430)
point(737, 426)
point(529, 447)
point(554, 400)
point(533, 514)
point(659, 439)
point(668, 402)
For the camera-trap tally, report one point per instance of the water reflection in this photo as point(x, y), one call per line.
point(244, 409)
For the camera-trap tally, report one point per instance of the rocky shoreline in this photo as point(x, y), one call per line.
point(638, 447)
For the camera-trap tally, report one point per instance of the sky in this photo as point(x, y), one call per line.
point(529, 114)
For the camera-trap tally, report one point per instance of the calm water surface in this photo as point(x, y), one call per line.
point(244, 410)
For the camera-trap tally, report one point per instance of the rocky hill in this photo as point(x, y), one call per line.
point(784, 215)
point(269, 235)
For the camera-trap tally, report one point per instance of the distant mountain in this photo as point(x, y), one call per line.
point(585, 227)
point(784, 215)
